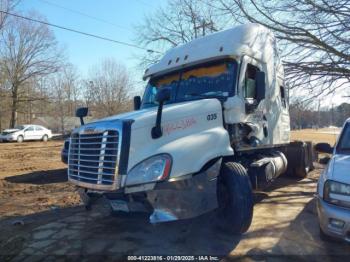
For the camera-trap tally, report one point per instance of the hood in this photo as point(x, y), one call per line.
point(189, 128)
point(146, 117)
point(8, 131)
point(340, 166)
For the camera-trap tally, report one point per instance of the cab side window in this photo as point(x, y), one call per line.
point(250, 87)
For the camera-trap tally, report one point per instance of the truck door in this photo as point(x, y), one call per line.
point(39, 132)
point(254, 110)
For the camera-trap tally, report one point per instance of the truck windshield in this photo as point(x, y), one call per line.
point(204, 81)
point(343, 146)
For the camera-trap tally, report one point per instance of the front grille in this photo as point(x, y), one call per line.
point(93, 157)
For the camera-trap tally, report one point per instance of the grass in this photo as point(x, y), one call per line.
point(316, 136)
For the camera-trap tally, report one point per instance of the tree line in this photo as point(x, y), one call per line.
point(36, 79)
point(303, 116)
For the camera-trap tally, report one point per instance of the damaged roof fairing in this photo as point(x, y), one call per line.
point(246, 39)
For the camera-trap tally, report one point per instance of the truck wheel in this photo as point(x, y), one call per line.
point(45, 138)
point(20, 139)
point(299, 157)
point(235, 198)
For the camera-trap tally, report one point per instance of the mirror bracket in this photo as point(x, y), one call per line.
point(162, 96)
point(157, 129)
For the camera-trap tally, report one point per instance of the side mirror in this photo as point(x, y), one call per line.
point(137, 102)
point(324, 148)
point(162, 96)
point(261, 86)
point(81, 113)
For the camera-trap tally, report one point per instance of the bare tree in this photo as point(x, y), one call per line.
point(64, 86)
point(313, 36)
point(6, 6)
point(108, 88)
point(59, 94)
point(28, 50)
point(179, 22)
point(71, 87)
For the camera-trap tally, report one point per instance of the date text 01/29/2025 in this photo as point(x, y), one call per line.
point(173, 258)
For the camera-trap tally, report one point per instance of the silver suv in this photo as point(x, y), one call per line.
point(333, 189)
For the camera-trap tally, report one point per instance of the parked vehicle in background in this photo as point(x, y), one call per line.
point(25, 133)
point(333, 189)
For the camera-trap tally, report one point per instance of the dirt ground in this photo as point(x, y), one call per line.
point(41, 218)
point(33, 179)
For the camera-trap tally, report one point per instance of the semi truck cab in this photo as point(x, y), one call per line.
point(213, 124)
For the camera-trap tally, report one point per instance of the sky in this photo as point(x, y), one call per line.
point(119, 20)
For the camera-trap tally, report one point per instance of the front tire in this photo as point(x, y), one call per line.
point(235, 198)
point(45, 138)
point(20, 139)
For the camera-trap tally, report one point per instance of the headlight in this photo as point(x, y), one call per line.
point(155, 168)
point(336, 193)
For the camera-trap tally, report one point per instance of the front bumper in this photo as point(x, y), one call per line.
point(186, 198)
point(170, 200)
point(328, 212)
point(7, 138)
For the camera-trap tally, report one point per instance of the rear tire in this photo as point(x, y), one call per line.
point(299, 157)
point(45, 138)
point(20, 139)
point(235, 198)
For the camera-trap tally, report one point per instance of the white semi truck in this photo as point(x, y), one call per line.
point(212, 126)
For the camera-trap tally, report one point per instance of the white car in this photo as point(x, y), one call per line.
point(26, 132)
point(333, 189)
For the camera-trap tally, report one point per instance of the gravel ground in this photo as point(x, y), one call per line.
point(41, 218)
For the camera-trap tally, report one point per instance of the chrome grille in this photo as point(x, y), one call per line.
point(93, 158)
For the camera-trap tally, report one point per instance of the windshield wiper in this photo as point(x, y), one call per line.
point(205, 95)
